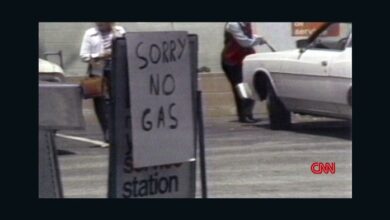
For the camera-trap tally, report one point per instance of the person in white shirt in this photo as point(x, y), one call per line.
point(96, 45)
point(96, 51)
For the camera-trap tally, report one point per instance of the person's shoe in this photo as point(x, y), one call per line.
point(255, 120)
point(248, 119)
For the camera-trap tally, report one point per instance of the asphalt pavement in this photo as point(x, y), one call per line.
point(243, 160)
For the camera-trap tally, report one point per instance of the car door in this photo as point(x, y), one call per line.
point(340, 71)
point(307, 83)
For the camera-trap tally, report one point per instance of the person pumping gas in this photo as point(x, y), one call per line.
point(239, 42)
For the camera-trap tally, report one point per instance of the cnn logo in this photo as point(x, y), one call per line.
point(319, 168)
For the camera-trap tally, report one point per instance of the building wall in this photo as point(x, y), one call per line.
point(217, 94)
point(65, 36)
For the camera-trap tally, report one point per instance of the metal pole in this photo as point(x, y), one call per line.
point(270, 47)
point(61, 60)
point(202, 154)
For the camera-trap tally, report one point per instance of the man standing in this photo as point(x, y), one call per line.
point(239, 42)
point(96, 51)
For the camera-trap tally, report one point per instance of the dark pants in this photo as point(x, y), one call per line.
point(101, 110)
point(234, 74)
point(101, 104)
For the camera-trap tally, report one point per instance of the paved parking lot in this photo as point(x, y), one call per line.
point(243, 161)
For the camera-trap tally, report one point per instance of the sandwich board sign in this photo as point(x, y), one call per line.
point(153, 116)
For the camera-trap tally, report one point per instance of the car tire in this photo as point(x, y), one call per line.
point(279, 116)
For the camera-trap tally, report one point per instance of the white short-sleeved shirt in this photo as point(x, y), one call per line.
point(94, 44)
point(235, 29)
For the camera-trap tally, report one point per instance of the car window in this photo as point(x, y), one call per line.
point(334, 37)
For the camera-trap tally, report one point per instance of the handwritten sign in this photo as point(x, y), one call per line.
point(161, 98)
point(174, 180)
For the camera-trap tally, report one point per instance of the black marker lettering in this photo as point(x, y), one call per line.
point(147, 126)
point(172, 117)
point(173, 48)
point(182, 46)
point(161, 117)
point(168, 90)
point(141, 57)
point(154, 86)
point(165, 47)
point(151, 53)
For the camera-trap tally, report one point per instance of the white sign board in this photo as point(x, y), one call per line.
point(164, 181)
point(161, 98)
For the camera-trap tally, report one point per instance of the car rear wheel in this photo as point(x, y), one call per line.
point(279, 116)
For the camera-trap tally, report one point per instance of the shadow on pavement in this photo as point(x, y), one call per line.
point(65, 152)
point(337, 129)
point(97, 146)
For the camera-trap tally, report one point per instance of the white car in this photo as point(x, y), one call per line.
point(49, 71)
point(315, 79)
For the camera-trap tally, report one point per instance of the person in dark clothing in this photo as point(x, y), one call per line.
point(96, 51)
point(239, 42)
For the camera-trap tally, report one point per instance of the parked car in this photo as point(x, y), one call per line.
point(314, 79)
point(48, 71)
